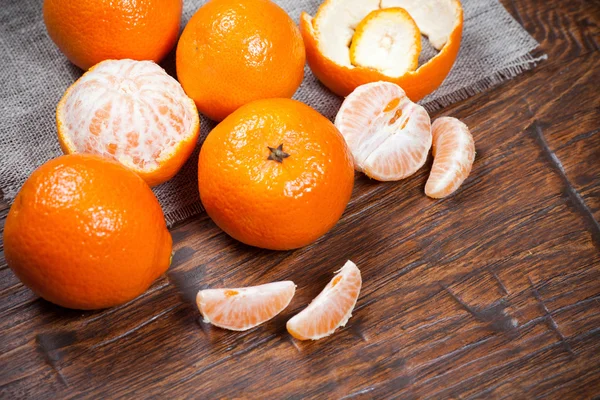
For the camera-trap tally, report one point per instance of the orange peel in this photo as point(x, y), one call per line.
point(327, 45)
point(388, 39)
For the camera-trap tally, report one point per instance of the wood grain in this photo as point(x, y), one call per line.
point(491, 293)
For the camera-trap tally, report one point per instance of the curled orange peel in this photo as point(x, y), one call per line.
point(342, 80)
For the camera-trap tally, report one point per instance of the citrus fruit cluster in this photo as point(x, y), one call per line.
point(86, 231)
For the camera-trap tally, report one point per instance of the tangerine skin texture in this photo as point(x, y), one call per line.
point(86, 233)
point(90, 31)
point(235, 51)
point(265, 203)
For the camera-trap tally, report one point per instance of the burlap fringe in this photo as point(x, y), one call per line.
point(519, 65)
point(183, 214)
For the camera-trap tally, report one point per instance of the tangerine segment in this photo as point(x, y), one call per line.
point(342, 78)
point(132, 112)
point(243, 308)
point(435, 18)
point(454, 153)
point(389, 135)
point(331, 309)
point(387, 40)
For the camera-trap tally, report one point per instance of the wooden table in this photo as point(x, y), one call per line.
point(491, 293)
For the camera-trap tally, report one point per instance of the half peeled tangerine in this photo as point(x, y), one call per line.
point(353, 42)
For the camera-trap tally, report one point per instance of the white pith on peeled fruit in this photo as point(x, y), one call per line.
point(388, 44)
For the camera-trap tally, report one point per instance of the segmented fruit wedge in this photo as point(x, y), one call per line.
point(453, 156)
point(331, 308)
point(240, 309)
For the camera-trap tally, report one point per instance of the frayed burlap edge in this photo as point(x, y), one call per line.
point(520, 65)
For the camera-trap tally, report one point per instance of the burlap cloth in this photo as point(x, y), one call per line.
point(34, 75)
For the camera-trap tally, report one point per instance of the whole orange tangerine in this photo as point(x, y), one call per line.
point(90, 31)
point(85, 232)
point(235, 51)
point(275, 174)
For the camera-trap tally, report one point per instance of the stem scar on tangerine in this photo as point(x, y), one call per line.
point(304, 183)
point(277, 154)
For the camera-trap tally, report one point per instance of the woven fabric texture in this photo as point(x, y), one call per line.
point(34, 75)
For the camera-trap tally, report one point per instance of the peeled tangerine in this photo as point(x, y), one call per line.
point(240, 309)
point(132, 112)
point(454, 153)
point(389, 135)
point(353, 42)
point(331, 309)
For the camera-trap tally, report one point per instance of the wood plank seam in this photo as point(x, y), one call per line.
point(581, 136)
point(135, 328)
point(574, 196)
point(47, 351)
point(524, 358)
point(222, 360)
point(494, 315)
point(549, 319)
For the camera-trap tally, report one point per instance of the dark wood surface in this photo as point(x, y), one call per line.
point(491, 293)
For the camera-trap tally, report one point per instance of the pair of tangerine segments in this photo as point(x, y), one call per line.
point(241, 309)
point(389, 137)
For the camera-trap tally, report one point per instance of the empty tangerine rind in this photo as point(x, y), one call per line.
point(435, 18)
point(454, 154)
point(335, 23)
point(327, 44)
point(240, 309)
point(389, 135)
point(331, 309)
point(387, 40)
point(132, 112)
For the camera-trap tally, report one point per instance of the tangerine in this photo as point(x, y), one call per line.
point(453, 156)
point(241, 309)
point(85, 232)
point(90, 31)
point(233, 52)
point(389, 135)
point(331, 309)
point(275, 174)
